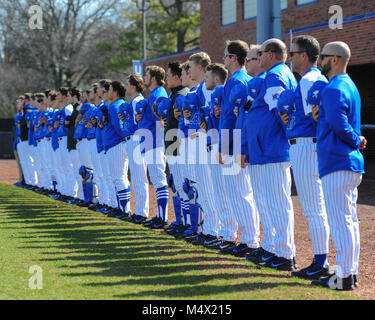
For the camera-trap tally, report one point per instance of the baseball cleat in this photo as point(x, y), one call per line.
point(137, 219)
point(147, 223)
point(312, 272)
point(215, 245)
point(200, 239)
point(158, 224)
point(226, 247)
point(210, 239)
point(334, 282)
point(281, 264)
point(355, 278)
point(242, 249)
point(259, 257)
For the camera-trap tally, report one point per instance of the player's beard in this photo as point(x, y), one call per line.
point(326, 68)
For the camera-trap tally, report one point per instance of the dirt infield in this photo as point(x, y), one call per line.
point(366, 214)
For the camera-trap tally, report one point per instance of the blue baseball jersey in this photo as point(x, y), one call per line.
point(64, 114)
point(91, 132)
point(301, 123)
point(149, 119)
point(112, 132)
point(54, 136)
point(339, 127)
point(183, 124)
point(203, 101)
point(17, 123)
point(253, 90)
point(80, 131)
point(227, 117)
point(39, 133)
point(265, 131)
point(30, 117)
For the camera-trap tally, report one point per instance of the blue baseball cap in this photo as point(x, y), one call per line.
point(180, 103)
point(84, 108)
point(98, 115)
point(217, 96)
point(141, 106)
point(285, 101)
point(124, 109)
point(314, 95)
point(238, 95)
point(164, 107)
point(191, 101)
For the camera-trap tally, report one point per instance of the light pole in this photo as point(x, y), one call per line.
point(143, 9)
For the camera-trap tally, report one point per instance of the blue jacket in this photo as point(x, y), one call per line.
point(227, 117)
point(301, 123)
point(265, 131)
point(64, 114)
point(112, 132)
point(339, 127)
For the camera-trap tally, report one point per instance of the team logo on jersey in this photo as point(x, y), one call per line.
point(275, 96)
point(315, 94)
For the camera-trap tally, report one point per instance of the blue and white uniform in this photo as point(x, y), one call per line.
point(114, 147)
point(150, 127)
point(301, 132)
point(237, 180)
point(341, 166)
point(269, 163)
point(66, 166)
point(137, 164)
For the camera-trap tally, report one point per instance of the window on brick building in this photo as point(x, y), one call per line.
point(228, 12)
point(249, 9)
point(301, 2)
point(283, 4)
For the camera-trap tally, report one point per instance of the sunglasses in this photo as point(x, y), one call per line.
point(250, 59)
point(322, 56)
point(293, 52)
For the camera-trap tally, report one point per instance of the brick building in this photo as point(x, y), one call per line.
point(237, 19)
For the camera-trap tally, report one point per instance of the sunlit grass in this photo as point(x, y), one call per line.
point(85, 255)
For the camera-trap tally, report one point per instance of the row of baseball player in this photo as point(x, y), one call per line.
point(230, 134)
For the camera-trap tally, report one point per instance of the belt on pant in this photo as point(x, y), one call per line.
point(60, 138)
point(127, 138)
point(48, 139)
point(80, 139)
point(39, 140)
point(298, 140)
point(90, 139)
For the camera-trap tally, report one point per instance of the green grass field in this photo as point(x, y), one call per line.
point(85, 255)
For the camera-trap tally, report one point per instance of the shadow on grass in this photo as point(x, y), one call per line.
point(111, 248)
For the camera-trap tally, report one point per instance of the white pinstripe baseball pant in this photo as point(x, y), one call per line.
point(238, 186)
point(111, 200)
point(310, 193)
point(98, 171)
point(341, 194)
point(272, 192)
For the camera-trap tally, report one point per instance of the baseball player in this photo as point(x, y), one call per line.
point(80, 134)
point(114, 144)
point(171, 140)
point(74, 96)
point(269, 162)
point(100, 98)
point(64, 158)
point(150, 126)
point(296, 113)
point(235, 178)
point(17, 123)
point(340, 162)
point(184, 224)
point(134, 87)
